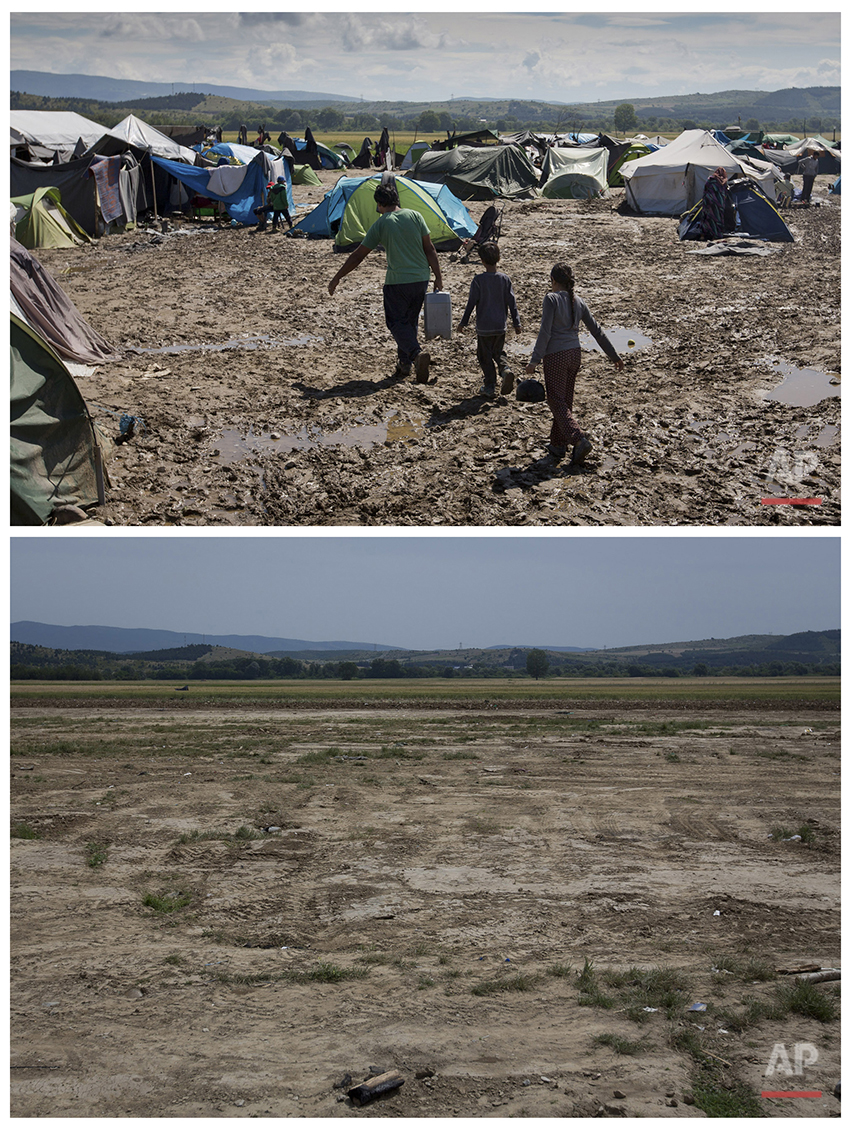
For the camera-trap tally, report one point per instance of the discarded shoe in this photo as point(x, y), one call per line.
point(557, 452)
point(507, 385)
point(581, 451)
point(421, 364)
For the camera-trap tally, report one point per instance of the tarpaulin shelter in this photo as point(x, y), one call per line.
point(415, 151)
point(348, 211)
point(54, 454)
point(304, 174)
point(829, 158)
point(42, 221)
point(503, 171)
point(574, 174)
point(671, 180)
point(241, 188)
point(755, 216)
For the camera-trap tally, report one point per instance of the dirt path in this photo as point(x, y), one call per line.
point(276, 406)
point(416, 892)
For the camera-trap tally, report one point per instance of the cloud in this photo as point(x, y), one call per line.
point(411, 33)
point(136, 27)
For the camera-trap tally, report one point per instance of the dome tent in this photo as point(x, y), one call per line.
point(348, 211)
point(480, 173)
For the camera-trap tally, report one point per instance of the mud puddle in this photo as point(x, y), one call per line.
point(235, 447)
point(803, 387)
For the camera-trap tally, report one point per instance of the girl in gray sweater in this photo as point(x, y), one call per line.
point(558, 346)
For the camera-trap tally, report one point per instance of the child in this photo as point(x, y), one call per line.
point(276, 205)
point(558, 346)
point(492, 298)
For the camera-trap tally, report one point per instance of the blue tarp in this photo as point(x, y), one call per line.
point(836, 187)
point(249, 188)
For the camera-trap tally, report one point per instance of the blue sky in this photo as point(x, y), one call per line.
point(549, 55)
point(434, 592)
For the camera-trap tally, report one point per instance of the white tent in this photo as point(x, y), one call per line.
point(143, 136)
point(671, 180)
point(575, 173)
point(59, 131)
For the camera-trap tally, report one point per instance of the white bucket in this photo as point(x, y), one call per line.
point(437, 315)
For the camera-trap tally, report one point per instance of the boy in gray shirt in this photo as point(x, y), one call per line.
point(493, 299)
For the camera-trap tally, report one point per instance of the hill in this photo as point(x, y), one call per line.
point(119, 640)
point(748, 655)
point(813, 109)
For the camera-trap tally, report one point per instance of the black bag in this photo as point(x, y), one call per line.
point(531, 391)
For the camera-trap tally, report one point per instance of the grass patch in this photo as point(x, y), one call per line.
point(96, 853)
point(459, 755)
point(24, 831)
point(244, 833)
point(560, 970)
point(164, 903)
point(782, 833)
point(502, 985)
point(752, 969)
point(722, 1098)
point(322, 972)
point(621, 1045)
point(635, 990)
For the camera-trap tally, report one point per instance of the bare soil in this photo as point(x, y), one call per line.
point(428, 854)
point(278, 406)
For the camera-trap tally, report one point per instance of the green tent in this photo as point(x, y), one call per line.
point(55, 456)
point(42, 221)
point(360, 213)
point(304, 174)
point(471, 173)
point(574, 174)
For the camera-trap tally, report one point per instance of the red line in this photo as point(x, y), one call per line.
point(791, 500)
point(794, 1095)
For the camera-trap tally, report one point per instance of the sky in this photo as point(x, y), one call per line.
point(434, 592)
point(428, 55)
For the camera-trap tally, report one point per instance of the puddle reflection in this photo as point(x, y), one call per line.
point(234, 446)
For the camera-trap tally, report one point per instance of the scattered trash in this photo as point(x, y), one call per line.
point(716, 913)
point(650, 1009)
point(697, 1007)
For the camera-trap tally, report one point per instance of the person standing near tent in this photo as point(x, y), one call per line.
point(411, 258)
point(808, 168)
point(558, 346)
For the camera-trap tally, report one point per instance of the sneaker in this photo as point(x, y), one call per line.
point(581, 451)
point(421, 364)
point(557, 452)
point(507, 385)
point(488, 391)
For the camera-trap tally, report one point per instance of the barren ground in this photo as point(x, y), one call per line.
point(419, 891)
point(275, 405)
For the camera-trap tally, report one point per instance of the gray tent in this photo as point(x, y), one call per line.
point(471, 173)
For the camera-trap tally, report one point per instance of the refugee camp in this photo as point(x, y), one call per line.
point(564, 312)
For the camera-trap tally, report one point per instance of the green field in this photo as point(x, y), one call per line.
point(700, 692)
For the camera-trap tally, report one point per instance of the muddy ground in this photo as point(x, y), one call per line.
point(277, 405)
point(416, 892)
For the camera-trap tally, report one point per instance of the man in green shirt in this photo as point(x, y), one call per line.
point(411, 258)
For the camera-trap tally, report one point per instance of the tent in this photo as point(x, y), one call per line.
point(42, 221)
point(39, 300)
point(756, 216)
point(327, 157)
point(143, 136)
point(304, 174)
point(780, 139)
point(829, 158)
point(241, 188)
point(348, 211)
point(671, 180)
point(54, 453)
point(503, 171)
point(414, 153)
point(574, 174)
point(58, 131)
point(635, 150)
point(836, 187)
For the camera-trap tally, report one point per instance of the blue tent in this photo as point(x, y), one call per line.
point(240, 188)
point(756, 216)
point(836, 187)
